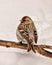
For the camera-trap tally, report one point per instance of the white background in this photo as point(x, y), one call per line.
point(11, 11)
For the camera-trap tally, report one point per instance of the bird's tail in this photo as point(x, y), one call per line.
point(31, 46)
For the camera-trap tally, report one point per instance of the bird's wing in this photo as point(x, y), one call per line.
point(35, 36)
point(35, 33)
point(23, 32)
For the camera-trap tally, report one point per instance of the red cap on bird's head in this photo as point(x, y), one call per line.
point(25, 17)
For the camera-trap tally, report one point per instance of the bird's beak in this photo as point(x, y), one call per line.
point(20, 20)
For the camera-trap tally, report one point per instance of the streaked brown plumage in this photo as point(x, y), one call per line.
point(27, 32)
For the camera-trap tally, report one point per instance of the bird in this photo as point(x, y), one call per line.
point(27, 32)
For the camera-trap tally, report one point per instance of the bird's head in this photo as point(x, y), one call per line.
point(26, 20)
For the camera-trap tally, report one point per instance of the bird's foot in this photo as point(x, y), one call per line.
point(21, 42)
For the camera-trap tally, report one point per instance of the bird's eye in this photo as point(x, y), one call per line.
point(22, 22)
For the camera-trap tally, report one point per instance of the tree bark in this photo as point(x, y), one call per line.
point(39, 48)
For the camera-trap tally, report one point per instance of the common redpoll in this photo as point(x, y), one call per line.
point(27, 32)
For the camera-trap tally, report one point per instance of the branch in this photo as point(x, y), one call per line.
point(39, 48)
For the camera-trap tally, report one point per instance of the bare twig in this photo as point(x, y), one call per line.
point(39, 48)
